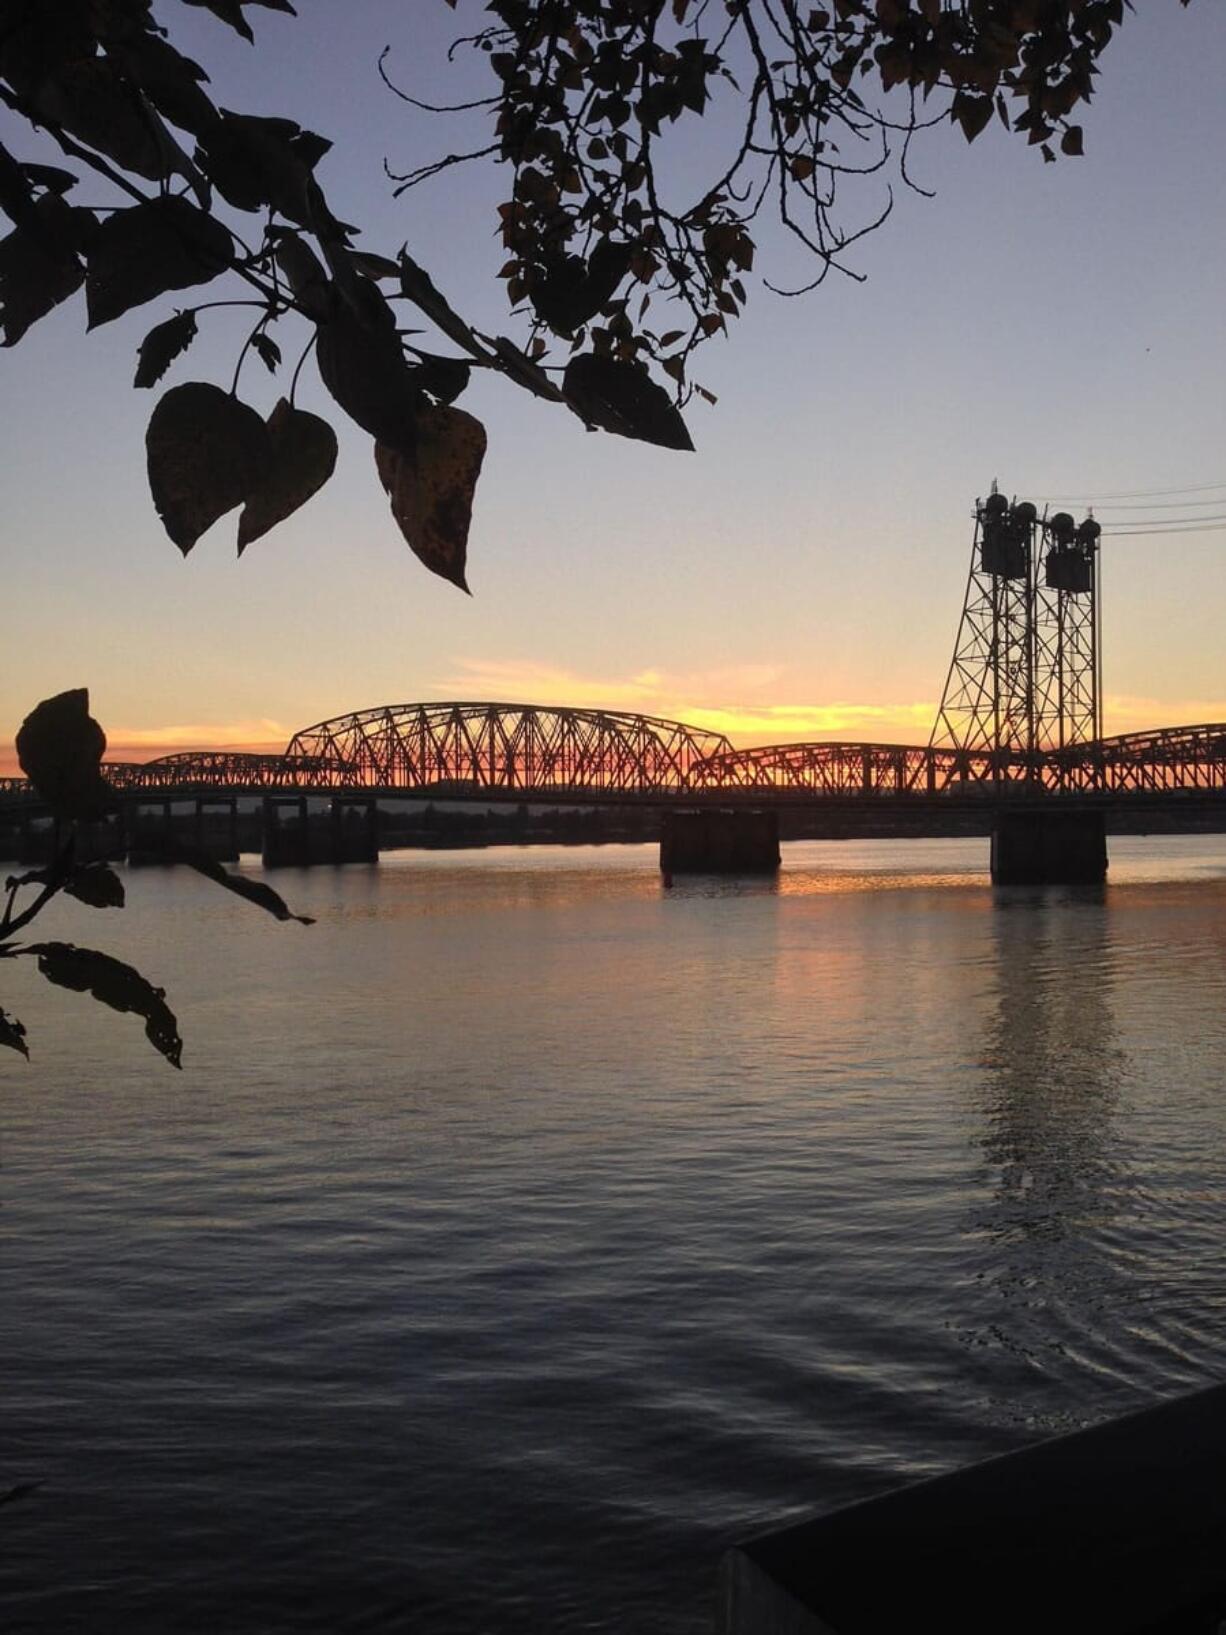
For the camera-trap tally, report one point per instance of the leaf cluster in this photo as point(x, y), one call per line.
point(202, 193)
point(60, 747)
point(593, 96)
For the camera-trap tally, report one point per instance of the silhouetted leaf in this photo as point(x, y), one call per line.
point(170, 80)
point(231, 11)
point(112, 983)
point(521, 369)
point(38, 269)
point(206, 452)
point(269, 351)
point(136, 254)
point(365, 369)
point(60, 748)
point(432, 490)
point(560, 298)
point(36, 40)
point(305, 275)
point(12, 1034)
point(251, 891)
point(972, 113)
point(574, 290)
point(622, 398)
point(97, 885)
point(90, 98)
point(50, 177)
point(1072, 142)
point(443, 378)
point(162, 345)
point(302, 456)
point(374, 266)
point(16, 192)
point(419, 287)
point(256, 162)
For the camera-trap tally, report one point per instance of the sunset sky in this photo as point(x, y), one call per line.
point(1059, 327)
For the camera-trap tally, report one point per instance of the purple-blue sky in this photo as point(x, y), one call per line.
point(1057, 326)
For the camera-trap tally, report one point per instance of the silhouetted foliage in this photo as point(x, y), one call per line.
point(594, 98)
point(60, 747)
point(587, 93)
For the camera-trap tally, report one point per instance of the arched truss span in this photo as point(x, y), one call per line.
point(508, 747)
point(1174, 759)
point(855, 770)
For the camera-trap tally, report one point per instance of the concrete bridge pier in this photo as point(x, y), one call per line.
point(354, 831)
point(719, 842)
point(1032, 847)
point(287, 833)
point(149, 830)
point(218, 839)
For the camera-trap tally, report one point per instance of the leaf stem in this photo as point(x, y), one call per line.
point(293, 385)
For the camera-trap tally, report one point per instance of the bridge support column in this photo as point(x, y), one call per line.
point(1032, 847)
point(150, 831)
point(287, 838)
point(719, 842)
point(355, 831)
point(218, 840)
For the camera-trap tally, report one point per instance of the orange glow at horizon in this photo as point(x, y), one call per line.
point(651, 693)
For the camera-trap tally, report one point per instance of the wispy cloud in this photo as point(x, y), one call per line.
point(143, 743)
point(732, 699)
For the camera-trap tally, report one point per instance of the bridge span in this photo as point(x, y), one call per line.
point(522, 755)
point(1018, 737)
point(519, 752)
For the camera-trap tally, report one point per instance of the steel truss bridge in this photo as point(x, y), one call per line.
point(1019, 722)
point(520, 753)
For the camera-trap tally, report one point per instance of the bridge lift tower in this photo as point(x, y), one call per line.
point(1025, 672)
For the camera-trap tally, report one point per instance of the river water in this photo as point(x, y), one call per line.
point(522, 1234)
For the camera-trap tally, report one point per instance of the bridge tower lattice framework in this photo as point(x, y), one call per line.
point(1024, 679)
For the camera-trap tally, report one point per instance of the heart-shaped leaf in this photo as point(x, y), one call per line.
point(622, 398)
point(302, 455)
point(431, 491)
point(574, 290)
point(206, 453)
point(60, 748)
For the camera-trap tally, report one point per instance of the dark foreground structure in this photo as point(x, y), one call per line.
point(1035, 848)
point(1118, 1530)
point(719, 842)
